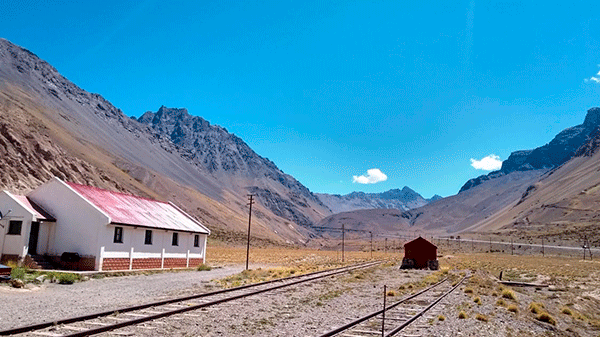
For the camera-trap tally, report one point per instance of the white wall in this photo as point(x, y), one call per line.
point(78, 222)
point(14, 244)
point(133, 237)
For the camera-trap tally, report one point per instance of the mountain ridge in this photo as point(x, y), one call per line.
point(401, 199)
point(553, 154)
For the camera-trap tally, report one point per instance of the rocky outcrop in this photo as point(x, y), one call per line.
point(562, 148)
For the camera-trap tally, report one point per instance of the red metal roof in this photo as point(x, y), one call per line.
point(34, 208)
point(132, 210)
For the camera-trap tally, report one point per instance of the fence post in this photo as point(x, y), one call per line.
point(101, 259)
point(131, 259)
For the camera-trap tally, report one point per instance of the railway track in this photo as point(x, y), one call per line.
point(397, 316)
point(116, 319)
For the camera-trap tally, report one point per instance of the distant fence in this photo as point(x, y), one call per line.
point(395, 244)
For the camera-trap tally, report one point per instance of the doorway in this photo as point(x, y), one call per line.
point(33, 237)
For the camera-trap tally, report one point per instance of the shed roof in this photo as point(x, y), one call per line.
point(128, 209)
point(35, 209)
point(418, 241)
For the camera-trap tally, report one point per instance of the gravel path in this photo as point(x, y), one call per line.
point(52, 301)
point(302, 310)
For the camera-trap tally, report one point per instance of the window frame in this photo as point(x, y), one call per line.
point(175, 239)
point(196, 240)
point(118, 235)
point(148, 237)
point(12, 224)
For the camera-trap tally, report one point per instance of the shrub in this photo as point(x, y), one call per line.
point(391, 293)
point(509, 294)
point(567, 311)
point(481, 317)
point(546, 317)
point(468, 290)
point(513, 308)
point(67, 278)
point(204, 267)
point(462, 315)
point(477, 300)
point(441, 318)
point(536, 308)
point(18, 273)
point(500, 302)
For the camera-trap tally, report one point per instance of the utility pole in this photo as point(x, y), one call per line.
point(371, 244)
point(343, 239)
point(542, 246)
point(385, 246)
point(251, 198)
point(512, 248)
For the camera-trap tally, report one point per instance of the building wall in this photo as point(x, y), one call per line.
point(133, 253)
point(14, 245)
point(77, 221)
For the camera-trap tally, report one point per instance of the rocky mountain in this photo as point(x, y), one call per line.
point(51, 127)
point(401, 199)
point(557, 152)
point(232, 162)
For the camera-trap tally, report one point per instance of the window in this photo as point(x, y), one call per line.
point(196, 240)
point(175, 241)
point(14, 227)
point(148, 238)
point(118, 238)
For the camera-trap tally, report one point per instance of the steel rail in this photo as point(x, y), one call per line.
point(369, 316)
point(326, 273)
point(415, 317)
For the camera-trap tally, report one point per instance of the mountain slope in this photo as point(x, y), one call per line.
point(558, 151)
point(403, 199)
point(563, 203)
point(93, 142)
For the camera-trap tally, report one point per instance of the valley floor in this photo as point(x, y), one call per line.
point(571, 302)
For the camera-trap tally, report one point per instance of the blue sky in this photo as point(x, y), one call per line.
point(330, 89)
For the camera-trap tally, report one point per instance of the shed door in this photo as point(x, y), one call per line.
point(33, 237)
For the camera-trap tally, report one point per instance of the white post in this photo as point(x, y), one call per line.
point(131, 259)
point(101, 259)
point(162, 259)
point(187, 258)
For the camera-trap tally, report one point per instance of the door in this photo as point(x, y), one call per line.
point(33, 237)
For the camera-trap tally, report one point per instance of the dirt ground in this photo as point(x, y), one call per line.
point(565, 302)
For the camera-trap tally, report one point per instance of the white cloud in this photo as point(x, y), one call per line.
point(487, 163)
point(373, 176)
point(595, 79)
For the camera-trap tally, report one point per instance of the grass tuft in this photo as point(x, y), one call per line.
point(509, 294)
point(481, 317)
point(546, 317)
point(462, 315)
point(203, 267)
point(513, 308)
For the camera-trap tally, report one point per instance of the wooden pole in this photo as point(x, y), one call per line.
point(249, 223)
point(383, 313)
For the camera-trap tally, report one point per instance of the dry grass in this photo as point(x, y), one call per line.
point(509, 294)
point(281, 256)
point(513, 308)
point(529, 266)
point(481, 317)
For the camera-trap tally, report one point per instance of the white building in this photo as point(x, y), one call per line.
point(108, 230)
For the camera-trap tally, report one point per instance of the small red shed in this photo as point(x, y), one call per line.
point(420, 253)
